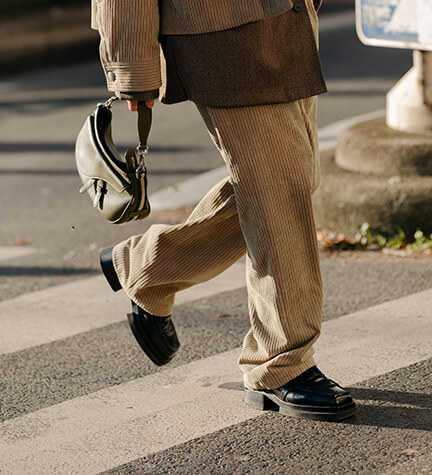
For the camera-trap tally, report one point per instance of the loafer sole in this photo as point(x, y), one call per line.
point(270, 402)
point(146, 343)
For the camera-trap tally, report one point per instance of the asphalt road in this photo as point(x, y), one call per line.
point(40, 115)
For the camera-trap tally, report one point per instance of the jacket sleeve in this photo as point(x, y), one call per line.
point(129, 47)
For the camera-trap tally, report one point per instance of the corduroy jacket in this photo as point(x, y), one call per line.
point(129, 31)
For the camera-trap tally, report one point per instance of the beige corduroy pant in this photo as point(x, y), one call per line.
point(263, 209)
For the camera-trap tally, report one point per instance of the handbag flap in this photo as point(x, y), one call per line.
point(96, 155)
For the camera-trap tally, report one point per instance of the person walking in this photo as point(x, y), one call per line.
point(253, 71)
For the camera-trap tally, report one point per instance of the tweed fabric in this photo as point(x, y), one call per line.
point(257, 63)
point(263, 209)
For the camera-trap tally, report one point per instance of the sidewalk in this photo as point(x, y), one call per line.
point(36, 39)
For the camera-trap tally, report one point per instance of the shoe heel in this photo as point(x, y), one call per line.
point(258, 401)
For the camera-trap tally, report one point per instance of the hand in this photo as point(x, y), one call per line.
point(133, 105)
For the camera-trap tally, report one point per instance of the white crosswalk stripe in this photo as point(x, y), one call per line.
point(14, 252)
point(59, 312)
point(113, 426)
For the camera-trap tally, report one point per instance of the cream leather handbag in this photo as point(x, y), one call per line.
point(117, 187)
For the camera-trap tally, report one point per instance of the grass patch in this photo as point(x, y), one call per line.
point(366, 239)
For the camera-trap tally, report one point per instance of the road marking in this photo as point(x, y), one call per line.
point(190, 192)
point(113, 426)
point(378, 339)
point(59, 312)
point(13, 252)
point(413, 464)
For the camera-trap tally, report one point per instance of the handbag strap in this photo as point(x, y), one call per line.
point(144, 125)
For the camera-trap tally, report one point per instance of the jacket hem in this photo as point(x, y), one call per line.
point(241, 100)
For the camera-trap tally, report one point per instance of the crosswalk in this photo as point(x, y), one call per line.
point(58, 312)
point(119, 424)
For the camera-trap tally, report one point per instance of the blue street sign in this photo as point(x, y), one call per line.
point(395, 23)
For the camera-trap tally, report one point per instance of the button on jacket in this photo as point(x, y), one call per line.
point(130, 31)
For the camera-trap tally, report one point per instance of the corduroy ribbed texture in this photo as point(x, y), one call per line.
point(129, 47)
point(264, 210)
point(203, 16)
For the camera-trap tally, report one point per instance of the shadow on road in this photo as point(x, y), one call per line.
point(32, 147)
point(14, 271)
point(17, 171)
point(394, 409)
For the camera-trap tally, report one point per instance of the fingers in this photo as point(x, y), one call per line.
point(133, 105)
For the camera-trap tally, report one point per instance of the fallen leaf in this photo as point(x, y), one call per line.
point(332, 240)
point(411, 452)
point(223, 315)
point(93, 246)
point(22, 241)
point(69, 255)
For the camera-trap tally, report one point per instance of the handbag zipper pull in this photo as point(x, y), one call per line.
point(98, 194)
point(87, 186)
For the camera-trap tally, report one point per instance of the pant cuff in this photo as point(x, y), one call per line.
point(276, 376)
point(151, 300)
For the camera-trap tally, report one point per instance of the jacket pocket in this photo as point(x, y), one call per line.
point(94, 8)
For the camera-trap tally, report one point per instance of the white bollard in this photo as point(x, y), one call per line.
point(409, 102)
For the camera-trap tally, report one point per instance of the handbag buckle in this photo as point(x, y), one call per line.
point(141, 153)
point(108, 102)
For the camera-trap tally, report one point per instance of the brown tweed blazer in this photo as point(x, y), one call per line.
point(262, 62)
point(131, 32)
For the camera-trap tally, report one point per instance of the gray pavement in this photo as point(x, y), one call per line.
point(390, 433)
point(40, 115)
point(97, 359)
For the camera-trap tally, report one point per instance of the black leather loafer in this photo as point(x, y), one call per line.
point(156, 335)
point(311, 395)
